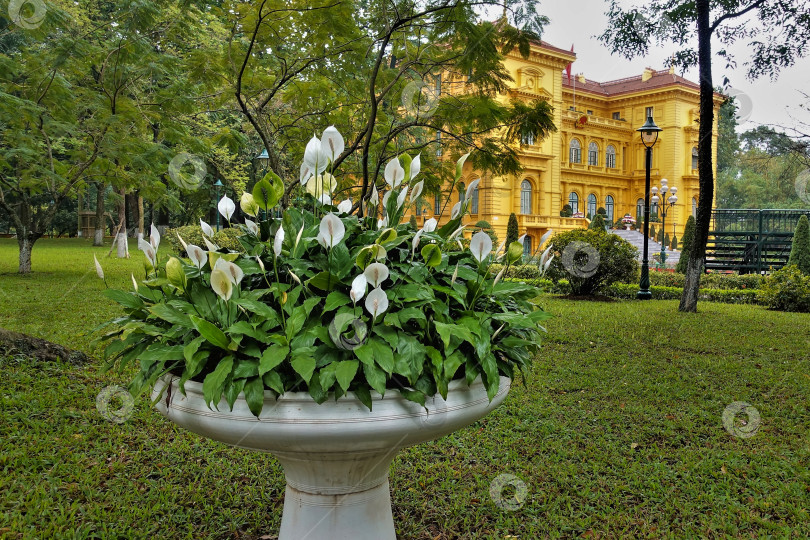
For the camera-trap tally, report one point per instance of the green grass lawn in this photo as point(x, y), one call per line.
point(617, 434)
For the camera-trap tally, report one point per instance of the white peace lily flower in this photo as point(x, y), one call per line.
point(457, 232)
point(480, 246)
point(321, 184)
point(544, 238)
point(298, 236)
point(134, 282)
point(376, 273)
point(332, 230)
point(252, 227)
point(148, 250)
point(226, 207)
point(415, 242)
point(497, 251)
point(385, 199)
point(548, 263)
point(295, 277)
point(325, 199)
point(182, 242)
point(499, 276)
point(471, 188)
point(248, 204)
point(221, 284)
point(306, 173)
point(277, 241)
point(460, 245)
point(314, 157)
point(401, 198)
point(498, 331)
point(233, 271)
point(332, 144)
point(99, 270)
point(394, 173)
point(260, 262)
point(544, 256)
point(210, 245)
point(322, 240)
point(456, 210)
point(416, 166)
point(521, 238)
point(154, 237)
point(206, 229)
point(375, 197)
point(455, 276)
point(417, 190)
point(376, 302)
point(358, 288)
point(345, 206)
point(197, 255)
point(430, 225)
point(382, 223)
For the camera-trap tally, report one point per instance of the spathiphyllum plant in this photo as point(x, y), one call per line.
point(326, 302)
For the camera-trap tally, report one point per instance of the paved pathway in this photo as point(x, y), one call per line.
point(637, 239)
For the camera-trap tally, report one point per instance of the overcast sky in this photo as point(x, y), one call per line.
point(577, 22)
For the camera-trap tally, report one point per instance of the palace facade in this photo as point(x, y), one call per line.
point(596, 158)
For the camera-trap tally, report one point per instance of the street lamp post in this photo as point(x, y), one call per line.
point(263, 160)
point(218, 185)
point(649, 136)
point(665, 206)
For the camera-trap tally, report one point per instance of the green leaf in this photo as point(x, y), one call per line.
point(324, 281)
point(296, 322)
point(490, 367)
point(191, 348)
point(259, 308)
point(387, 235)
point(272, 357)
point(363, 395)
point(244, 368)
point(452, 363)
point(376, 351)
point(304, 366)
point(432, 254)
point(448, 331)
point(460, 165)
point(210, 332)
point(161, 353)
point(254, 395)
point(336, 299)
point(376, 377)
point(126, 299)
point(215, 381)
point(411, 358)
point(345, 372)
point(413, 395)
point(273, 380)
point(170, 315)
point(326, 376)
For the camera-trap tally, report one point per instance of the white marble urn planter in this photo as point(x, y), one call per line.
point(336, 455)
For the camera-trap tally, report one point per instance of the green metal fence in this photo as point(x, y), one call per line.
point(751, 241)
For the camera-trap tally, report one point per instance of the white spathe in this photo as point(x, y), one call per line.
point(345, 206)
point(332, 144)
point(376, 273)
point(416, 166)
point(331, 230)
point(197, 255)
point(358, 290)
point(430, 225)
point(377, 301)
point(336, 456)
point(314, 157)
point(148, 250)
point(480, 246)
point(251, 226)
point(221, 284)
point(394, 173)
point(206, 229)
point(154, 237)
point(226, 207)
point(278, 241)
point(99, 270)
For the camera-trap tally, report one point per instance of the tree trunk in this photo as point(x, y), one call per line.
point(123, 245)
point(694, 268)
point(140, 217)
point(25, 244)
point(98, 240)
point(79, 208)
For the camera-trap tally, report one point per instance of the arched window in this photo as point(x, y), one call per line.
point(609, 208)
point(573, 201)
point(525, 197)
point(527, 246)
point(575, 154)
point(593, 154)
point(461, 192)
point(527, 140)
point(694, 207)
point(639, 210)
point(437, 204)
point(474, 201)
point(591, 206)
point(694, 157)
point(610, 157)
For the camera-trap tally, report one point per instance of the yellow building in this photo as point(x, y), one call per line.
point(596, 158)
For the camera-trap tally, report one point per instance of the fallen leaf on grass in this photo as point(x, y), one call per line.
point(634, 445)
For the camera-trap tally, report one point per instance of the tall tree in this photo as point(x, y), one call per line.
point(800, 249)
point(776, 32)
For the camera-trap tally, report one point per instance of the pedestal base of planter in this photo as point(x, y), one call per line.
point(336, 456)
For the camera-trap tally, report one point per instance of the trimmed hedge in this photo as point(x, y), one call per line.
point(227, 238)
point(787, 289)
point(709, 281)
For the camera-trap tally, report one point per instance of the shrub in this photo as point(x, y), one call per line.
point(652, 232)
point(518, 271)
point(566, 211)
point(674, 243)
point(686, 244)
point(601, 210)
point(587, 273)
point(192, 234)
point(800, 249)
point(709, 281)
point(487, 228)
point(412, 222)
point(660, 237)
point(511, 229)
point(598, 223)
point(667, 241)
point(787, 289)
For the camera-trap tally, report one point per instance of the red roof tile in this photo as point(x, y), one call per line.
point(659, 79)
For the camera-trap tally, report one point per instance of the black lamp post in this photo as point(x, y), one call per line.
point(263, 161)
point(218, 185)
point(665, 206)
point(649, 136)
